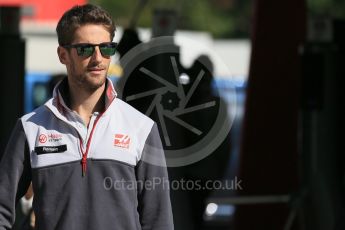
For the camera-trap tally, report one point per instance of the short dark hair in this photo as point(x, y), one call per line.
point(81, 15)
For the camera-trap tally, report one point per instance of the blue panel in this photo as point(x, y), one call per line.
point(32, 79)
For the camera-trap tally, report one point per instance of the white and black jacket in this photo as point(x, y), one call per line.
point(120, 189)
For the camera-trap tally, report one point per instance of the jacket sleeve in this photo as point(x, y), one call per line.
point(154, 205)
point(15, 175)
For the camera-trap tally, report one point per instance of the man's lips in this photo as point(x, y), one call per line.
point(95, 70)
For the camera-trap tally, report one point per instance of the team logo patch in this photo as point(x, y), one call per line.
point(50, 137)
point(122, 140)
point(42, 138)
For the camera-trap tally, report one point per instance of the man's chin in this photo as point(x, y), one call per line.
point(94, 82)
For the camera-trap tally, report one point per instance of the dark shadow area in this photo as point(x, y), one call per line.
point(185, 104)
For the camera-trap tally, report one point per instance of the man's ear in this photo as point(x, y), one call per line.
point(63, 55)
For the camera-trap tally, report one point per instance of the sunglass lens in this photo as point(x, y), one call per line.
point(108, 49)
point(85, 51)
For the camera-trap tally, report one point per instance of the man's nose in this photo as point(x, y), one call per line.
point(97, 55)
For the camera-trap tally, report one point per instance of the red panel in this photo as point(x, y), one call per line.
point(53, 10)
point(44, 10)
point(13, 2)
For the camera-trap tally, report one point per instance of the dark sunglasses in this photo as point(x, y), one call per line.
point(86, 49)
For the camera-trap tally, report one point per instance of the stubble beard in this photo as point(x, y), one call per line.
point(91, 83)
point(87, 82)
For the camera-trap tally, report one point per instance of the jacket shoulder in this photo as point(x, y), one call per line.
point(38, 112)
point(132, 113)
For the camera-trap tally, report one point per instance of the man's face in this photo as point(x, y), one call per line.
point(87, 73)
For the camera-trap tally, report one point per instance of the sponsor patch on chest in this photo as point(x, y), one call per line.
point(122, 141)
point(49, 137)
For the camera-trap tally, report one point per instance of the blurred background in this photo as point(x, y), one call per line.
point(277, 67)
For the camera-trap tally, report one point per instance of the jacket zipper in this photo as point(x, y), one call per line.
point(85, 153)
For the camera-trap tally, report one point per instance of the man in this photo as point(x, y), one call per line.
point(84, 148)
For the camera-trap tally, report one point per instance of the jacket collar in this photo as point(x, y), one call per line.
point(61, 96)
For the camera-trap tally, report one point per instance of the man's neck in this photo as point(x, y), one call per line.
point(85, 103)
